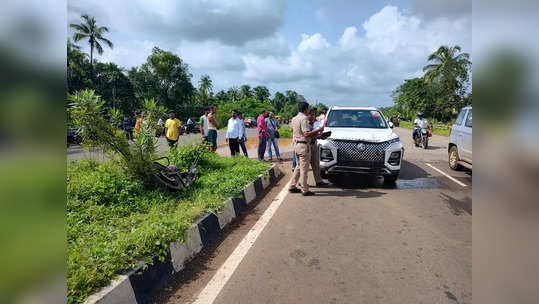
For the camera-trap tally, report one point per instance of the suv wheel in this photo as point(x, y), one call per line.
point(454, 158)
point(391, 179)
point(323, 174)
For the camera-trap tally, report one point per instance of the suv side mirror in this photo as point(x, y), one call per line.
point(391, 125)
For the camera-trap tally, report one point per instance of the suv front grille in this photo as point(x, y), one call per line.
point(349, 152)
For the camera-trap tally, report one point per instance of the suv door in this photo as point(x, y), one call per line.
point(465, 135)
point(456, 132)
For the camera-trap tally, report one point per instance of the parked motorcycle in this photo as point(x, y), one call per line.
point(190, 128)
point(422, 138)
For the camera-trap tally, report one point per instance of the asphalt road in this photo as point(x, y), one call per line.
point(356, 241)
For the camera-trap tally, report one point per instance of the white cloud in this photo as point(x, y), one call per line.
point(361, 69)
point(210, 55)
point(314, 42)
point(349, 39)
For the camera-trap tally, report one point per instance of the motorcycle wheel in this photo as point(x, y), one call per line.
point(425, 143)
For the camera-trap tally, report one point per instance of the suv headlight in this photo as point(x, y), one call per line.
point(325, 154)
point(394, 158)
point(394, 140)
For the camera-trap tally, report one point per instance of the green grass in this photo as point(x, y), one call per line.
point(113, 221)
point(285, 132)
point(439, 129)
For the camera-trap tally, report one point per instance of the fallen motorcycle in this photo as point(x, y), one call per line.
point(171, 176)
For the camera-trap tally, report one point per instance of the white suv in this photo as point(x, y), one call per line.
point(361, 142)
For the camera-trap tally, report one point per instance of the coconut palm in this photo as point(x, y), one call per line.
point(94, 33)
point(449, 67)
point(233, 93)
point(205, 87)
point(205, 83)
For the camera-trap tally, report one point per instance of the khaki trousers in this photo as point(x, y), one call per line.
point(315, 163)
point(303, 157)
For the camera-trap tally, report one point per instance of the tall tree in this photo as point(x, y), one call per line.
point(205, 83)
point(89, 29)
point(261, 93)
point(233, 94)
point(205, 87)
point(245, 91)
point(166, 77)
point(221, 96)
point(77, 67)
point(449, 70)
point(278, 101)
point(115, 88)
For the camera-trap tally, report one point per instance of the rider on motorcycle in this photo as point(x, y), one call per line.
point(419, 123)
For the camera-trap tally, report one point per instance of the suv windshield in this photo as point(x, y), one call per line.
point(356, 119)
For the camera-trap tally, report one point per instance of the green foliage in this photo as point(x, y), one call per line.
point(114, 221)
point(245, 91)
point(439, 128)
point(248, 106)
point(86, 113)
point(188, 154)
point(116, 117)
point(285, 132)
point(164, 77)
point(261, 93)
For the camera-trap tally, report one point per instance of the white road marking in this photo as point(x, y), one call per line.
point(223, 274)
point(447, 175)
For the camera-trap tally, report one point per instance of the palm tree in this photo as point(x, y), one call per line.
point(245, 91)
point(449, 67)
point(205, 84)
point(233, 93)
point(89, 30)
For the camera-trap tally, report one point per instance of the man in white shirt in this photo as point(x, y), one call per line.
point(204, 123)
point(419, 123)
point(243, 134)
point(233, 133)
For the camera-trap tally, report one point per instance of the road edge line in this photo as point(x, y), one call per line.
point(447, 175)
point(225, 272)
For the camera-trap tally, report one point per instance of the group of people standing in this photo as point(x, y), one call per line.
point(268, 135)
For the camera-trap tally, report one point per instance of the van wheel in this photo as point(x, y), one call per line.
point(454, 158)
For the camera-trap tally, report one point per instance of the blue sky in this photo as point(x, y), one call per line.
point(337, 52)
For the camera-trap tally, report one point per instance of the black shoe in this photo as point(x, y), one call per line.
point(294, 190)
point(307, 193)
point(321, 184)
point(280, 159)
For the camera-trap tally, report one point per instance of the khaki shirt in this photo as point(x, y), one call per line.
point(300, 124)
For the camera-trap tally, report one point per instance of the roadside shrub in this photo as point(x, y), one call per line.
point(285, 132)
point(184, 156)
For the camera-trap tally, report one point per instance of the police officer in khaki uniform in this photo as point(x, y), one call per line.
point(302, 133)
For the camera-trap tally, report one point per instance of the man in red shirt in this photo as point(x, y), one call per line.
point(262, 134)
